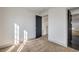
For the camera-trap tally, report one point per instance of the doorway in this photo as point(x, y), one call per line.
point(73, 29)
point(44, 25)
point(41, 26)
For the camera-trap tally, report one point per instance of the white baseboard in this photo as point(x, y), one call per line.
point(6, 44)
point(60, 43)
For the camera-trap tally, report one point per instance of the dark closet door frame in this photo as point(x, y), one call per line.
point(69, 23)
point(38, 26)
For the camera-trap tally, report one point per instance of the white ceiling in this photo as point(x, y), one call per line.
point(38, 9)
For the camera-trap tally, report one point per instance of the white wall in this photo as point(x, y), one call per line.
point(2, 33)
point(21, 16)
point(43, 13)
point(57, 25)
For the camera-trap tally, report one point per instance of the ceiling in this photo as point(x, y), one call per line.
point(38, 9)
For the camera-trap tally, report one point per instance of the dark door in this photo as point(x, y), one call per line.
point(69, 28)
point(38, 26)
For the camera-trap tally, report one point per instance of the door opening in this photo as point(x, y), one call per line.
point(73, 28)
point(44, 25)
point(41, 26)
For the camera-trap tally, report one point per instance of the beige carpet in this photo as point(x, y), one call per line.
point(38, 45)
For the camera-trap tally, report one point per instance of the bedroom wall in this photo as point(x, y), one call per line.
point(57, 25)
point(21, 16)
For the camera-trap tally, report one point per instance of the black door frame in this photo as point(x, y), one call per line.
point(38, 26)
point(69, 28)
